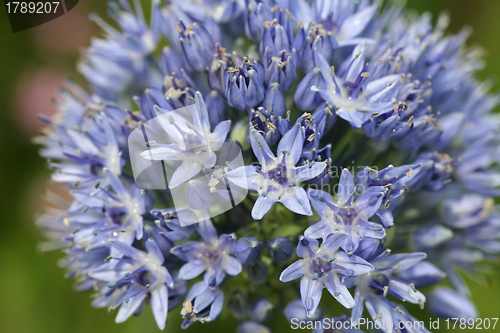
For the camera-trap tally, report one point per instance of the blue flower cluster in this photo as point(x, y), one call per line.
point(303, 87)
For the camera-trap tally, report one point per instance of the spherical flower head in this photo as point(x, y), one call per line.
point(321, 267)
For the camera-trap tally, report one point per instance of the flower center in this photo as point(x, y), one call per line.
point(278, 174)
point(212, 255)
point(347, 215)
point(321, 266)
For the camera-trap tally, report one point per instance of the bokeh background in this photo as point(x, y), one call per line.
point(34, 294)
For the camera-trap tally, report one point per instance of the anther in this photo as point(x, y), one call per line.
point(398, 309)
point(410, 121)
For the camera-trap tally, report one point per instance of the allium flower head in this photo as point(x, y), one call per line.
point(371, 114)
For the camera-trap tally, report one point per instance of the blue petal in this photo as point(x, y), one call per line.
point(339, 291)
point(297, 201)
point(346, 187)
point(192, 269)
point(231, 265)
point(260, 148)
point(310, 292)
point(292, 143)
point(262, 205)
point(159, 305)
point(246, 177)
point(292, 272)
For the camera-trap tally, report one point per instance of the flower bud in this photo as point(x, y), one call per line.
point(305, 98)
point(245, 85)
point(248, 250)
point(238, 305)
point(274, 101)
point(195, 43)
point(216, 107)
point(281, 249)
point(256, 14)
point(447, 303)
point(261, 310)
point(257, 272)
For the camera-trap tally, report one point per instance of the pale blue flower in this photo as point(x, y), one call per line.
point(321, 267)
point(277, 178)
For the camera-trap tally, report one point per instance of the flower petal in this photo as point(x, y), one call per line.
point(292, 272)
point(297, 201)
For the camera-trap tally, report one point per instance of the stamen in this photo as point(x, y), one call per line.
point(398, 309)
point(410, 121)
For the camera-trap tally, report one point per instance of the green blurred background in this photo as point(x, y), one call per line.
point(34, 295)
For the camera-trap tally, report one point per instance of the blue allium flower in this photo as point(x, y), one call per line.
point(277, 178)
point(133, 279)
point(211, 256)
point(346, 215)
point(372, 289)
point(202, 304)
point(324, 92)
point(192, 143)
point(123, 62)
point(321, 267)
